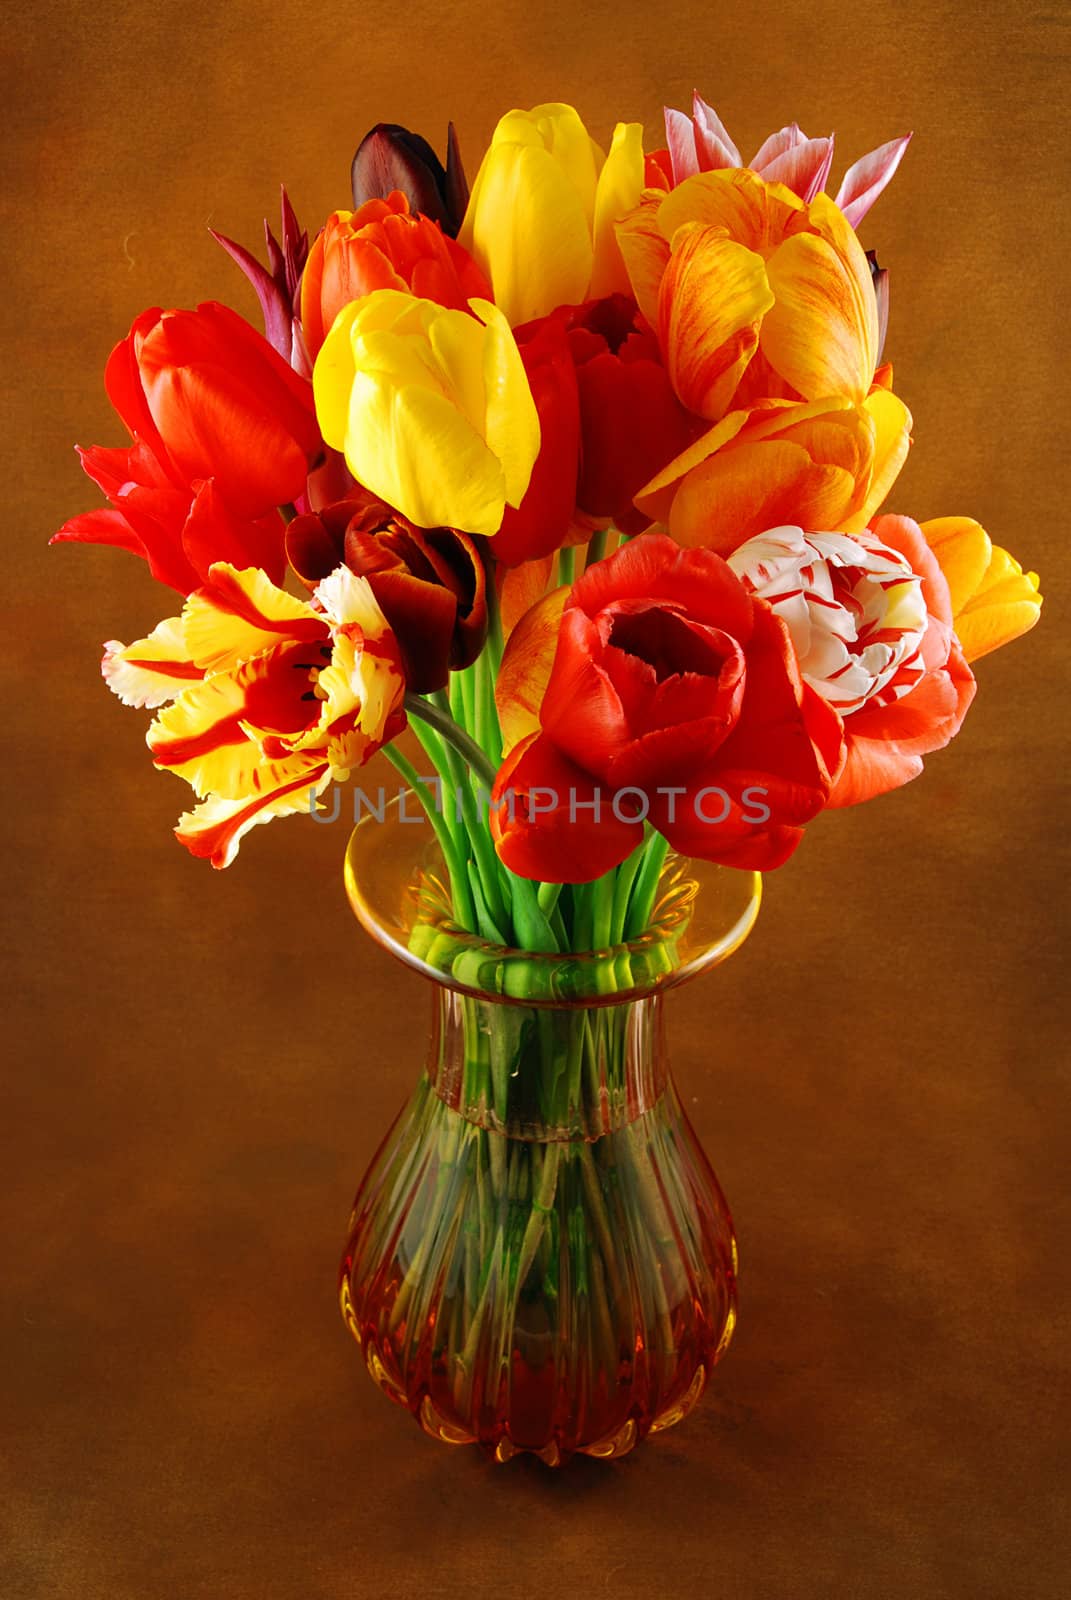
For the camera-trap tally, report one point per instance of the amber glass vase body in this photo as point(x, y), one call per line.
point(540, 1257)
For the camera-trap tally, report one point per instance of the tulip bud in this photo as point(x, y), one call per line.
point(389, 157)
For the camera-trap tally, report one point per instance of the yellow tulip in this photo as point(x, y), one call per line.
point(431, 408)
point(993, 599)
point(541, 220)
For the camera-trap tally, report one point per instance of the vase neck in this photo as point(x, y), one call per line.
point(547, 1073)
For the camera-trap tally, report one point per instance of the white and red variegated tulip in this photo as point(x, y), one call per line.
point(871, 622)
point(264, 697)
point(699, 143)
point(854, 608)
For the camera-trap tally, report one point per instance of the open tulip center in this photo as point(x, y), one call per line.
point(666, 642)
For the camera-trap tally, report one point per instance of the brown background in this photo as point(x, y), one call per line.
point(201, 1064)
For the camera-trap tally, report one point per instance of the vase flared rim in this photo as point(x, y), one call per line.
point(397, 886)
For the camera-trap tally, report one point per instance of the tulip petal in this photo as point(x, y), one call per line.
point(803, 167)
point(864, 181)
point(240, 614)
point(739, 201)
point(216, 423)
point(777, 145)
point(821, 334)
point(680, 142)
point(645, 252)
point(522, 587)
point(713, 294)
point(619, 188)
point(752, 486)
point(993, 600)
point(656, 496)
point(205, 735)
point(213, 533)
point(526, 666)
point(512, 421)
point(964, 551)
point(713, 145)
point(892, 441)
point(152, 670)
point(530, 230)
point(415, 450)
point(215, 829)
point(551, 822)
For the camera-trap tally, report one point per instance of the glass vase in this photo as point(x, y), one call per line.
point(540, 1257)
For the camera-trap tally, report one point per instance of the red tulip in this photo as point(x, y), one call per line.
point(223, 433)
point(540, 524)
point(632, 423)
point(550, 821)
point(676, 695)
point(222, 402)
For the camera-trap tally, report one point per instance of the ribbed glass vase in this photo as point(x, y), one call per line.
point(540, 1257)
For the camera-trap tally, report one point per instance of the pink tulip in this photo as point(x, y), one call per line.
point(701, 144)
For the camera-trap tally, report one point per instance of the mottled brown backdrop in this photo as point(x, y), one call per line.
point(202, 1063)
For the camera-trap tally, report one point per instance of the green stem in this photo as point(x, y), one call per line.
point(444, 724)
point(626, 877)
point(643, 890)
point(464, 909)
point(566, 564)
point(596, 547)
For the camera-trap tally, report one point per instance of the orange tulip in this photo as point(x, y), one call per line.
point(754, 293)
point(824, 464)
point(525, 671)
point(993, 599)
point(382, 246)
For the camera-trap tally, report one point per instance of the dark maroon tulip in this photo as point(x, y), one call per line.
point(390, 157)
point(430, 583)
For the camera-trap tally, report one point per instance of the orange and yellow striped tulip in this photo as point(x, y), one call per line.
point(754, 293)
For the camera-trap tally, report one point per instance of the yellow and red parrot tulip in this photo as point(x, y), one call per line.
point(270, 697)
point(541, 219)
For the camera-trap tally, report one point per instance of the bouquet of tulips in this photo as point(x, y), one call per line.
point(579, 474)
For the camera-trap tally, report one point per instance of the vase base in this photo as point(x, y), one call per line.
point(502, 1448)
